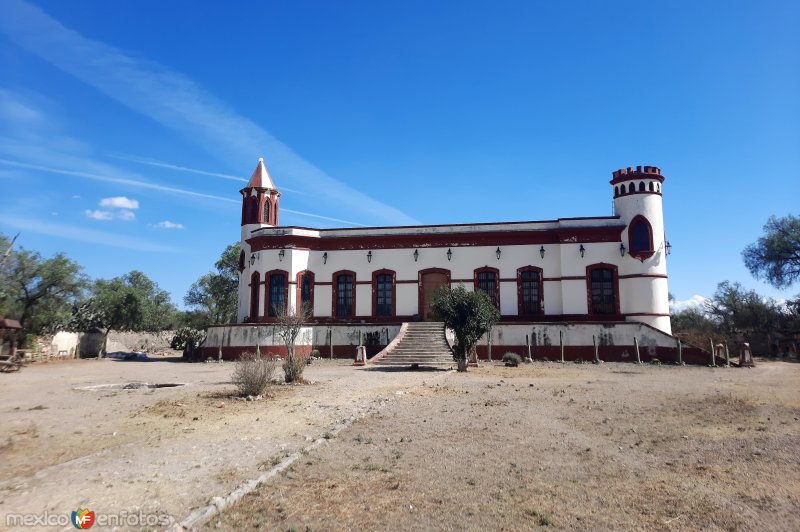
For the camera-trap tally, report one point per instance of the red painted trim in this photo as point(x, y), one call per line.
point(299, 290)
point(520, 303)
point(407, 281)
point(255, 282)
point(615, 276)
point(375, 275)
point(637, 174)
point(496, 273)
point(645, 314)
point(645, 254)
point(566, 278)
point(437, 240)
point(561, 318)
point(267, 281)
point(643, 275)
point(335, 291)
point(420, 295)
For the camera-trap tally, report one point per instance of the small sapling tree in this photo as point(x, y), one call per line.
point(469, 315)
point(289, 322)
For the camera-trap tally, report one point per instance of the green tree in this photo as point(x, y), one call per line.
point(38, 292)
point(158, 312)
point(694, 326)
point(213, 296)
point(776, 255)
point(132, 302)
point(469, 315)
point(739, 313)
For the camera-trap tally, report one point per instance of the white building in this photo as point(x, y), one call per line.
point(603, 276)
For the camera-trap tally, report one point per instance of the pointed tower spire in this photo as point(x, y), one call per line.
point(261, 177)
point(259, 199)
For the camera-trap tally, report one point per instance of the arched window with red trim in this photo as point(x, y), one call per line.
point(487, 280)
point(265, 218)
point(602, 289)
point(640, 238)
point(344, 294)
point(276, 285)
point(252, 210)
point(530, 292)
point(383, 293)
point(305, 290)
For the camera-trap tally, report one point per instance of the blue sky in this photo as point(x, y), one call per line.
point(126, 128)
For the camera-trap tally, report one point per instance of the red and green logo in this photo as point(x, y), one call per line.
point(82, 518)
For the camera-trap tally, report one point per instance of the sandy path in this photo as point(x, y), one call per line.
point(161, 451)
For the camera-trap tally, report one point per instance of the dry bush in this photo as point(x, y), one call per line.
point(512, 359)
point(253, 373)
point(293, 368)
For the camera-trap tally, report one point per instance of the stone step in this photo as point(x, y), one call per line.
point(423, 344)
point(421, 362)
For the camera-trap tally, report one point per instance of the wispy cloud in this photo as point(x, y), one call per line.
point(154, 186)
point(113, 179)
point(166, 224)
point(103, 216)
point(42, 142)
point(125, 215)
point(81, 234)
point(179, 104)
point(170, 166)
point(120, 202)
point(106, 216)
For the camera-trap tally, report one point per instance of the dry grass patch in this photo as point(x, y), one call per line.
point(586, 447)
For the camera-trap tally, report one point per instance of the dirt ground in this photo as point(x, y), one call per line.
point(160, 451)
point(567, 446)
point(615, 446)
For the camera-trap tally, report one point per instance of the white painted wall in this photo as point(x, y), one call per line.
point(637, 295)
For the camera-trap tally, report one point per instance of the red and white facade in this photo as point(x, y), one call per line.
point(610, 268)
point(587, 279)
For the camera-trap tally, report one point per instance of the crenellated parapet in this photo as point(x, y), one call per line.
point(637, 180)
point(631, 171)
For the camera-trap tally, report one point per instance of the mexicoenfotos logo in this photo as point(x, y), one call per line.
point(82, 518)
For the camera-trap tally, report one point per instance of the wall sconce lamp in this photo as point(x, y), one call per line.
point(416, 255)
point(621, 249)
point(449, 253)
point(325, 258)
point(582, 250)
point(541, 251)
point(252, 259)
point(497, 252)
point(667, 247)
point(281, 253)
point(369, 256)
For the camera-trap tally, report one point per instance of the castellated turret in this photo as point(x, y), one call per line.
point(638, 203)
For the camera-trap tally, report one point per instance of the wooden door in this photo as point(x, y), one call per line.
point(429, 283)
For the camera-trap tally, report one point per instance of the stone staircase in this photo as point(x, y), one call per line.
point(421, 343)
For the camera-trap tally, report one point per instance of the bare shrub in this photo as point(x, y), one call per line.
point(293, 368)
point(253, 373)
